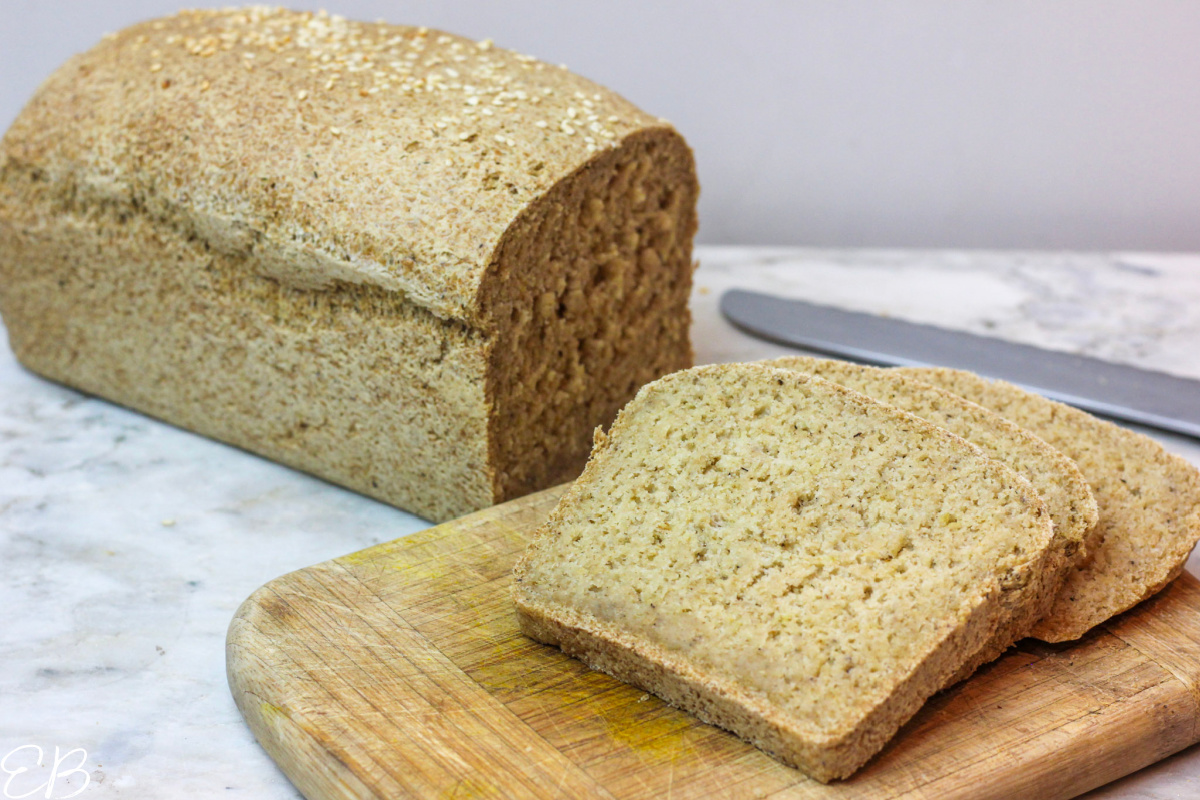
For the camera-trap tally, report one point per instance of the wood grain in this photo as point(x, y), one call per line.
point(399, 671)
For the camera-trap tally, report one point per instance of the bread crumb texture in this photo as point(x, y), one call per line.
point(1148, 500)
point(1054, 477)
point(783, 557)
point(416, 264)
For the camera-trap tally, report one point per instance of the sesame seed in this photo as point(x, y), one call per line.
point(406, 60)
point(155, 67)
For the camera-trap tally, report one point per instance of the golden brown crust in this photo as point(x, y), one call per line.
point(359, 152)
point(353, 385)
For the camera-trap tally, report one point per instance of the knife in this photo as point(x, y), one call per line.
point(1113, 390)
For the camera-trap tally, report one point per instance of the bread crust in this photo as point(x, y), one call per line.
point(752, 717)
point(273, 129)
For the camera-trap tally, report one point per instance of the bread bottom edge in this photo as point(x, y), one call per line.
point(752, 719)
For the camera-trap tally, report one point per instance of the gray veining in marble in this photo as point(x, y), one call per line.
point(127, 545)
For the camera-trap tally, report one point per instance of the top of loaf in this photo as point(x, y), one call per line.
point(361, 152)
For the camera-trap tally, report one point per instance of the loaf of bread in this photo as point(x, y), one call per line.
point(782, 557)
point(417, 265)
point(1149, 502)
point(1054, 477)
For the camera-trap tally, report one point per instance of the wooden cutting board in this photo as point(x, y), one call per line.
point(399, 671)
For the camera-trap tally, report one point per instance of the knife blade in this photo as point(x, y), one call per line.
point(1113, 390)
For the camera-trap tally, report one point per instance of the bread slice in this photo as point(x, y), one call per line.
point(1149, 502)
point(414, 264)
point(782, 557)
point(1054, 476)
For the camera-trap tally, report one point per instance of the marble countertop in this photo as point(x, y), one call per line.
point(127, 544)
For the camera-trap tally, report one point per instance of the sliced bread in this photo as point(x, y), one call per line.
point(782, 557)
point(1054, 476)
point(1149, 502)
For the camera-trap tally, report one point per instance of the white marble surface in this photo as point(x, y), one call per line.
point(126, 545)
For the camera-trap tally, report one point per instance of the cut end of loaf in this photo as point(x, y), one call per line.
point(589, 297)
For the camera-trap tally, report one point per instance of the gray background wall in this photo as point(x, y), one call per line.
point(1023, 124)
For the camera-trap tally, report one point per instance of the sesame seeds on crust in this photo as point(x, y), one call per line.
point(389, 155)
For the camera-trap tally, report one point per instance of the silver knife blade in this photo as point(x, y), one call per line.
point(1150, 398)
